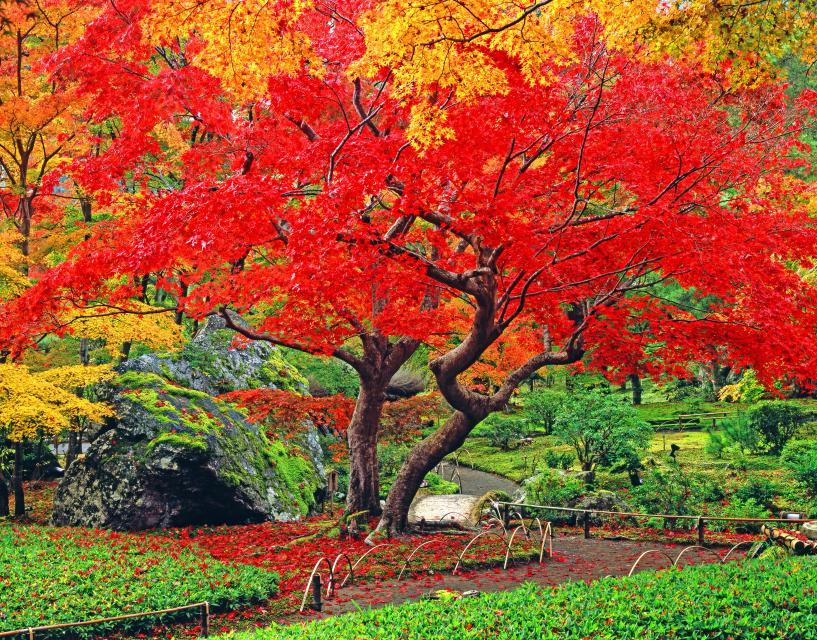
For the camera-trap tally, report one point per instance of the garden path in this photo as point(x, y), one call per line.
point(477, 483)
point(574, 559)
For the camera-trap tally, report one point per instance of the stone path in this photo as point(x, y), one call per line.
point(574, 559)
point(478, 482)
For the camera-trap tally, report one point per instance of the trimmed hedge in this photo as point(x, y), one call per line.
point(751, 600)
point(49, 576)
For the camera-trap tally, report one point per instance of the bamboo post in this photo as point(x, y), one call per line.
point(205, 619)
point(701, 531)
point(587, 525)
point(316, 605)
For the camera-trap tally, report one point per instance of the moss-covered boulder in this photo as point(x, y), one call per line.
point(210, 363)
point(176, 456)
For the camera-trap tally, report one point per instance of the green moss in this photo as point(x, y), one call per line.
point(188, 417)
point(139, 380)
point(179, 440)
point(277, 371)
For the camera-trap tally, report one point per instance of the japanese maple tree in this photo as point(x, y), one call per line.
point(384, 173)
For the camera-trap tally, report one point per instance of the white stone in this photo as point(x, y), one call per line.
point(810, 529)
point(451, 509)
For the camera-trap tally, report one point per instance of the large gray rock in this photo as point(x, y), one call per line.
point(209, 363)
point(810, 530)
point(177, 456)
point(603, 501)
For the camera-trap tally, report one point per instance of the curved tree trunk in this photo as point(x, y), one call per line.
point(422, 459)
point(364, 479)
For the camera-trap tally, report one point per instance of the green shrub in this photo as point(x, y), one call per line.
point(762, 490)
point(54, 575)
point(800, 456)
point(559, 459)
point(439, 486)
point(672, 490)
point(775, 422)
point(738, 434)
point(751, 600)
point(503, 430)
point(553, 488)
point(738, 508)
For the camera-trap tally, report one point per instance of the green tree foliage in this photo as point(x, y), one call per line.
point(541, 407)
point(601, 428)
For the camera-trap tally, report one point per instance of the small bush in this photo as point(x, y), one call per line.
point(775, 422)
point(672, 491)
point(440, 487)
point(503, 430)
point(760, 489)
point(559, 459)
point(800, 456)
point(553, 488)
point(738, 435)
point(541, 408)
point(738, 508)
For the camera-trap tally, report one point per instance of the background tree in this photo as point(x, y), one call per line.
point(45, 402)
point(601, 428)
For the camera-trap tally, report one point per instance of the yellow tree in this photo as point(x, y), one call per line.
point(33, 404)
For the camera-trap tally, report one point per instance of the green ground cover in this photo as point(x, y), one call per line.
point(751, 600)
point(49, 576)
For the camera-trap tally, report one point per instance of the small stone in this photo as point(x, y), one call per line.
point(810, 530)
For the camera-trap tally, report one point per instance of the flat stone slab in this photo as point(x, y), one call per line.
point(810, 530)
point(451, 510)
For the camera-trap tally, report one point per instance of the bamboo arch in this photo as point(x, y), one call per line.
point(646, 553)
point(472, 541)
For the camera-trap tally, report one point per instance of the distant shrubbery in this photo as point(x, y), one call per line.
point(765, 428)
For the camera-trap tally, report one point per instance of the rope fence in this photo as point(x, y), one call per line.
point(507, 509)
point(203, 607)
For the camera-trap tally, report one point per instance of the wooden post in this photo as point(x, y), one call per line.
point(701, 531)
point(205, 620)
point(587, 525)
point(506, 518)
point(316, 605)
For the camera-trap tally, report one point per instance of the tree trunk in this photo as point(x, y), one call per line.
point(19, 495)
point(364, 479)
point(635, 382)
point(72, 450)
point(422, 459)
point(4, 496)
